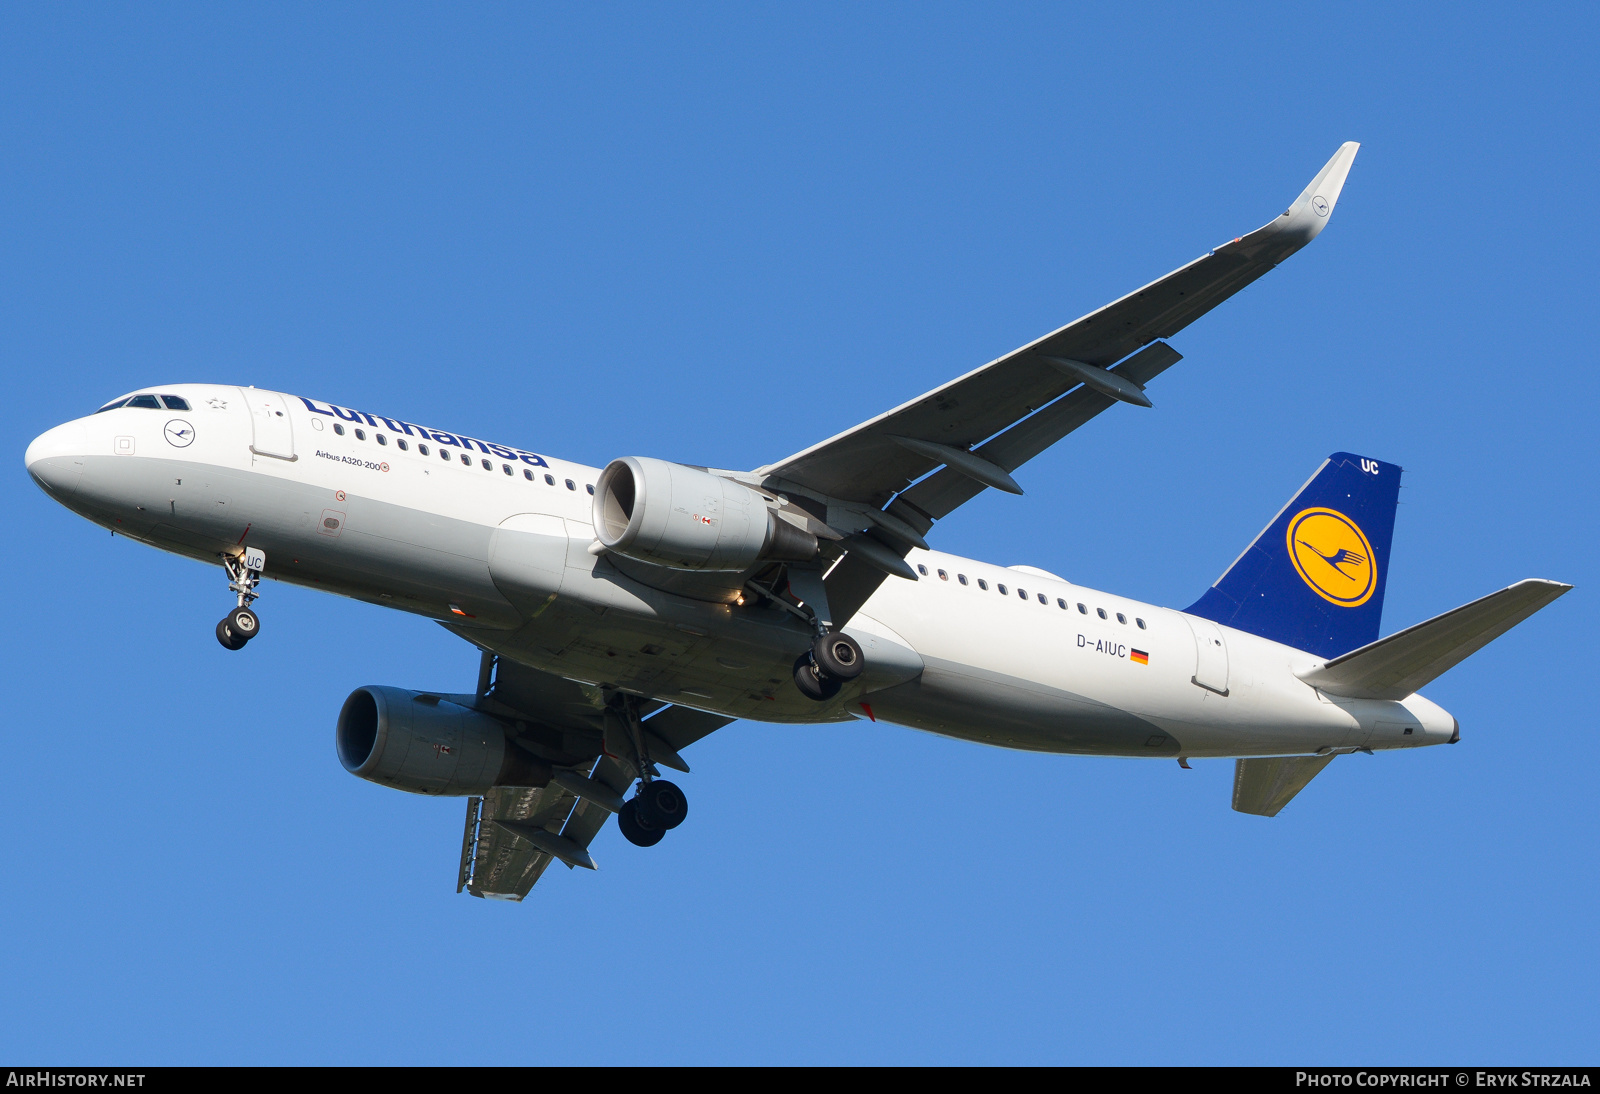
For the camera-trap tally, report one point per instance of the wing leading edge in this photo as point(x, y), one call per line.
point(990, 411)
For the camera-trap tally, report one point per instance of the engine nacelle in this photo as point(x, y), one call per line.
point(676, 516)
point(426, 744)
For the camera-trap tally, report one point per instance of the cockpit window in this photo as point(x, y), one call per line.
point(175, 403)
point(112, 405)
point(146, 402)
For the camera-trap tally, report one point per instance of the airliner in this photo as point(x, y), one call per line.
point(625, 612)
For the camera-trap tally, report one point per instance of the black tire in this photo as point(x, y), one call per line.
point(633, 830)
point(661, 804)
point(814, 685)
point(839, 656)
point(229, 640)
point(244, 623)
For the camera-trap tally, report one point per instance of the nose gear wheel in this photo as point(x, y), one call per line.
point(244, 574)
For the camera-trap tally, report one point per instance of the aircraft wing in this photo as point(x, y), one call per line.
point(496, 861)
point(1013, 408)
point(513, 833)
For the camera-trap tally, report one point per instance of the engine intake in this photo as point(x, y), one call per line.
point(686, 519)
point(426, 744)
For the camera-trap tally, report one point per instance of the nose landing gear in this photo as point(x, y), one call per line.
point(244, 574)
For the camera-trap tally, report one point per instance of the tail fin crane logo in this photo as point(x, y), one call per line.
point(1332, 555)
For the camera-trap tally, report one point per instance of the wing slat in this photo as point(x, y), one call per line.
point(865, 465)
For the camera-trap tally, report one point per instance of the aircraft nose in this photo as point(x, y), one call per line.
point(55, 458)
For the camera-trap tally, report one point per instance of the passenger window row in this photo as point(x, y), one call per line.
point(1083, 609)
point(466, 458)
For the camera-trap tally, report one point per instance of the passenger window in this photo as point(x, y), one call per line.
point(1081, 609)
point(380, 438)
point(549, 480)
point(175, 403)
point(961, 578)
point(444, 454)
point(401, 444)
point(422, 450)
point(982, 584)
point(1140, 622)
point(1043, 599)
point(1122, 618)
point(1003, 589)
point(1023, 593)
point(921, 569)
point(112, 406)
point(145, 402)
point(487, 466)
point(527, 474)
point(943, 576)
point(506, 467)
point(361, 434)
point(466, 460)
point(570, 486)
point(1101, 612)
point(590, 488)
point(1062, 604)
point(339, 429)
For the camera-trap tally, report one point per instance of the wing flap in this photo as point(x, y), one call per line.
point(853, 581)
point(511, 831)
point(681, 727)
point(588, 818)
point(944, 491)
point(1264, 786)
point(1396, 666)
point(866, 465)
point(499, 864)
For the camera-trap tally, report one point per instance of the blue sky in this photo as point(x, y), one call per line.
point(718, 234)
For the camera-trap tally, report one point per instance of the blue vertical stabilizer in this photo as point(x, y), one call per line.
point(1314, 579)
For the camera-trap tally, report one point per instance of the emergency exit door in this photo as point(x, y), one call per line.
point(269, 417)
point(1210, 655)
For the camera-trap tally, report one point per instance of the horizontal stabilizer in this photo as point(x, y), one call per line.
point(1397, 666)
point(1265, 786)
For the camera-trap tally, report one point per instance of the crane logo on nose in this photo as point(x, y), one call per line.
point(1331, 554)
point(179, 433)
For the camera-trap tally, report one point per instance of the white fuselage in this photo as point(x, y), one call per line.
point(497, 549)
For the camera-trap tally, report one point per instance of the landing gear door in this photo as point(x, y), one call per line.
point(528, 559)
point(269, 417)
point(1211, 655)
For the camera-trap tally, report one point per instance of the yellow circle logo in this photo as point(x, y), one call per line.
point(1332, 555)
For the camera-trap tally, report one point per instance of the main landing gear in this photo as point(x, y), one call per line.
point(833, 660)
point(658, 805)
point(244, 574)
point(646, 817)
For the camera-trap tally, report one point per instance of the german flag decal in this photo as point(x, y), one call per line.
point(1140, 656)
